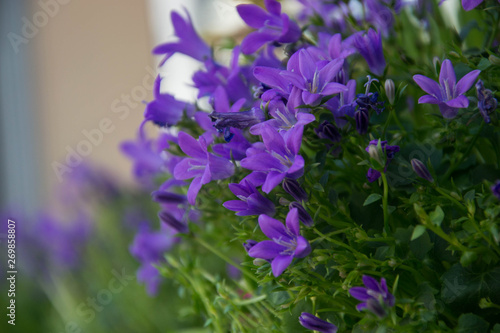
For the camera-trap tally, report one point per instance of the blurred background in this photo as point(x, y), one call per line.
point(74, 76)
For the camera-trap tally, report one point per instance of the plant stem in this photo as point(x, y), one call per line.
point(384, 204)
point(226, 259)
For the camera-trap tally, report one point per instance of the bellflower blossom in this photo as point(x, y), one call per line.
point(369, 45)
point(165, 110)
point(202, 166)
point(313, 77)
point(189, 42)
point(375, 296)
point(447, 94)
point(273, 26)
point(313, 323)
point(286, 243)
point(471, 4)
point(251, 202)
point(278, 158)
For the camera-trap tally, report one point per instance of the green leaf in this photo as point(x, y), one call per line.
point(318, 187)
point(496, 329)
point(483, 64)
point(417, 232)
point(437, 216)
point(468, 257)
point(470, 323)
point(374, 197)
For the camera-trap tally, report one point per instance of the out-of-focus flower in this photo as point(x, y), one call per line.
point(313, 323)
point(286, 243)
point(496, 189)
point(149, 247)
point(421, 170)
point(447, 94)
point(485, 101)
point(369, 45)
point(202, 166)
point(375, 296)
point(273, 26)
point(251, 202)
point(189, 42)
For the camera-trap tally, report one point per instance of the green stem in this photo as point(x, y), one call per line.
point(227, 259)
point(455, 201)
point(384, 204)
point(464, 155)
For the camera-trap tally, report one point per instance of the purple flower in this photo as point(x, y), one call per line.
point(251, 202)
point(421, 170)
point(273, 26)
point(389, 152)
point(362, 117)
point(344, 104)
point(286, 243)
point(369, 45)
point(379, 15)
point(447, 94)
point(278, 158)
point(328, 131)
point(313, 323)
point(165, 110)
point(149, 247)
point(485, 101)
point(496, 189)
point(313, 76)
point(202, 166)
point(236, 148)
point(375, 296)
point(189, 42)
point(172, 222)
point(165, 197)
point(470, 4)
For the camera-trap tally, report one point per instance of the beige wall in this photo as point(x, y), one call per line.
point(88, 57)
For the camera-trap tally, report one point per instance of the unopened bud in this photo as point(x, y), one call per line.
point(421, 170)
point(494, 60)
point(390, 90)
point(292, 187)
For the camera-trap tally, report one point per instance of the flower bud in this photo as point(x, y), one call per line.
point(172, 222)
point(421, 170)
point(390, 90)
point(292, 187)
point(304, 216)
point(165, 197)
point(494, 60)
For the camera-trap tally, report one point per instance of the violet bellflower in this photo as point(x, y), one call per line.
point(189, 42)
point(448, 94)
point(251, 202)
point(421, 170)
point(149, 247)
point(286, 243)
point(313, 76)
point(278, 157)
point(202, 166)
point(273, 26)
point(313, 323)
point(375, 296)
point(292, 187)
point(369, 45)
point(389, 151)
point(165, 110)
point(485, 101)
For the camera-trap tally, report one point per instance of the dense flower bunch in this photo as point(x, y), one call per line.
point(303, 130)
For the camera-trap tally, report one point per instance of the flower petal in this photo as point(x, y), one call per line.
point(280, 263)
point(266, 250)
point(466, 82)
point(429, 86)
point(193, 190)
point(372, 284)
point(292, 221)
point(273, 179)
point(273, 228)
point(459, 102)
point(428, 99)
point(254, 41)
point(190, 146)
point(359, 293)
point(253, 15)
point(447, 73)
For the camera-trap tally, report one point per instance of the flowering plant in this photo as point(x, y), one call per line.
point(312, 171)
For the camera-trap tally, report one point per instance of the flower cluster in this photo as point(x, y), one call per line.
point(286, 133)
